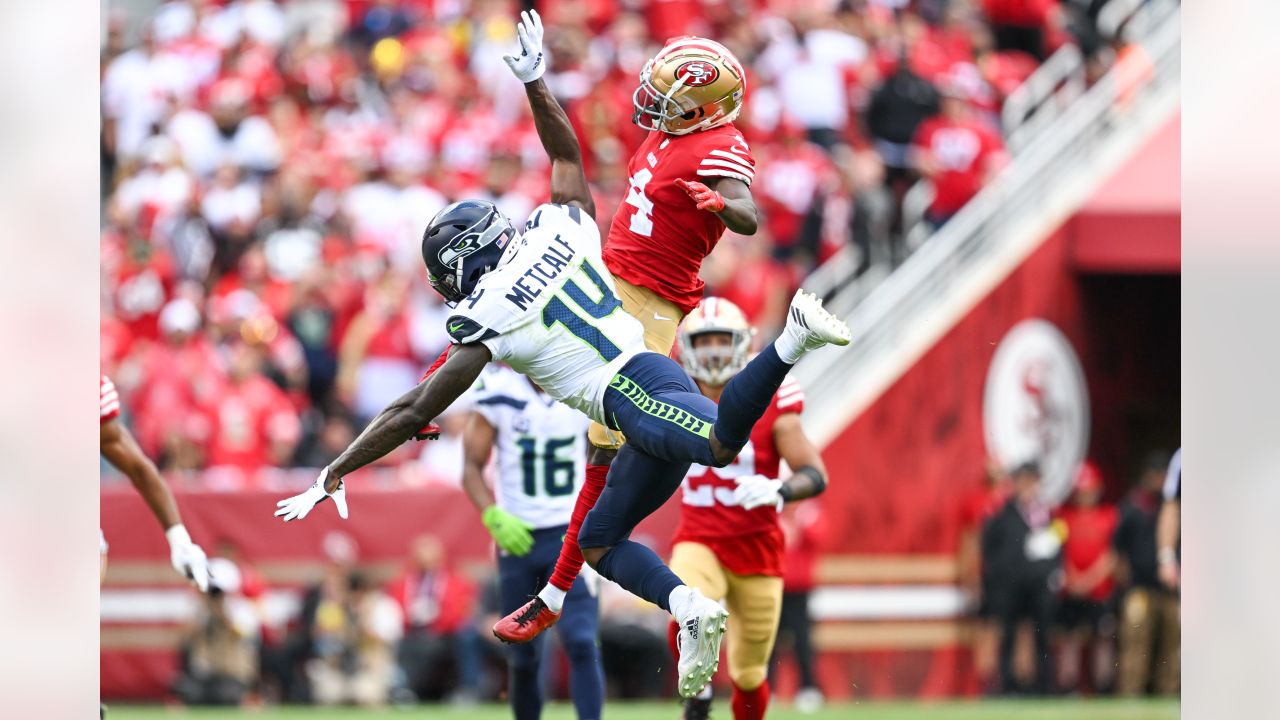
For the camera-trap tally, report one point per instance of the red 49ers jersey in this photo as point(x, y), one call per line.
point(659, 237)
point(747, 542)
point(108, 401)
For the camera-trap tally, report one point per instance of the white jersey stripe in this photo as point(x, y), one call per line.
point(729, 165)
point(785, 394)
point(745, 160)
point(725, 173)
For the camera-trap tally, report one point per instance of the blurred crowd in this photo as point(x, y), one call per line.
point(1075, 599)
point(353, 637)
point(269, 166)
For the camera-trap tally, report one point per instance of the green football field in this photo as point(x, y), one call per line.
point(974, 710)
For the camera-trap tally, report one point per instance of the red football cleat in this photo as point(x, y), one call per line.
point(526, 623)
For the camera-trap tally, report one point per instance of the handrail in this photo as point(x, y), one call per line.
point(1028, 112)
point(1022, 191)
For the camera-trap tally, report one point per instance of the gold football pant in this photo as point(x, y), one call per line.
point(660, 319)
point(754, 603)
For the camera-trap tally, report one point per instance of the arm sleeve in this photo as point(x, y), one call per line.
point(108, 401)
point(729, 157)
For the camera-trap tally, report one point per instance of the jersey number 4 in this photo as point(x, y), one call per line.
point(558, 311)
point(642, 219)
point(557, 473)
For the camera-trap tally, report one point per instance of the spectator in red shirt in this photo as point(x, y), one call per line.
point(1089, 562)
point(792, 175)
point(437, 604)
point(957, 152)
point(254, 424)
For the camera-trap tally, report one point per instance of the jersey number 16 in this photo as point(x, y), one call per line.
point(557, 473)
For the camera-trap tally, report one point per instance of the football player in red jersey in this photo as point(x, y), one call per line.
point(689, 181)
point(729, 543)
point(117, 445)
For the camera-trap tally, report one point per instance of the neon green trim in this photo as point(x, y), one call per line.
point(656, 408)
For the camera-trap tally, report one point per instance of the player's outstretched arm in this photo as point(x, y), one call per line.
point(398, 422)
point(120, 449)
point(408, 413)
point(568, 179)
point(118, 446)
point(729, 198)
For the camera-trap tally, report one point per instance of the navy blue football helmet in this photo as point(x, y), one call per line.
point(463, 242)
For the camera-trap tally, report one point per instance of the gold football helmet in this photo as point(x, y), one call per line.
point(692, 84)
point(715, 364)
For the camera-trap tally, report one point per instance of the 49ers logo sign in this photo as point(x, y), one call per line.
point(697, 73)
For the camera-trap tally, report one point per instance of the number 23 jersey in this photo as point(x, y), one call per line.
point(659, 237)
point(551, 311)
point(746, 542)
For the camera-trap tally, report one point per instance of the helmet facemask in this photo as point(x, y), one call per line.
point(721, 355)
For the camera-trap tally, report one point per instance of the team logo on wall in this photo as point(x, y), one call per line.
point(697, 73)
point(1036, 405)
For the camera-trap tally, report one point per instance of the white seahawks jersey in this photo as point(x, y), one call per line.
point(541, 447)
point(552, 311)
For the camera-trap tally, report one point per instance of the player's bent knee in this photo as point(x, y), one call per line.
point(593, 554)
point(722, 454)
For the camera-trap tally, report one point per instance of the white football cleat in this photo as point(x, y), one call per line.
point(701, 631)
point(811, 326)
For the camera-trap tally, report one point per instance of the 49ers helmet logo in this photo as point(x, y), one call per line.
point(697, 73)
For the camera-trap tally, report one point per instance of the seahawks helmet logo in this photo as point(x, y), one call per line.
point(467, 244)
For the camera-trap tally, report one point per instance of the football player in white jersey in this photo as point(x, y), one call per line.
point(541, 449)
point(543, 303)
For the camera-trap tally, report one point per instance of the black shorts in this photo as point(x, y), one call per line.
point(1078, 612)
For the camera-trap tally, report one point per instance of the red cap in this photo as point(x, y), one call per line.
point(1088, 478)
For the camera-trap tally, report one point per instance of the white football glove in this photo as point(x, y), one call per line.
point(755, 491)
point(299, 506)
point(187, 557)
point(531, 62)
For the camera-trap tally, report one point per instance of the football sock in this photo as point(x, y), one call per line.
point(747, 396)
point(553, 598)
point(639, 571)
point(750, 704)
point(570, 560)
point(678, 601)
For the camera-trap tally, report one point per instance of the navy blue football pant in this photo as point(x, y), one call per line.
point(520, 577)
point(668, 423)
